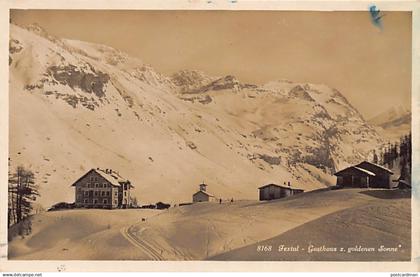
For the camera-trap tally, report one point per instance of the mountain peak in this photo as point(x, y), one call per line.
point(190, 80)
point(38, 30)
point(390, 115)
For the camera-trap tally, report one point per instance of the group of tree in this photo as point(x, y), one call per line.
point(405, 158)
point(22, 193)
point(396, 152)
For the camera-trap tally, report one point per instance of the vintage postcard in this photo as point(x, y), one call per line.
point(158, 135)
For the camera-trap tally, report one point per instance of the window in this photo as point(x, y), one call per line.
point(91, 178)
point(86, 201)
point(86, 193)
point(115, 202)
point(107, 193)
point(95, 201)
point(96, 185)
point(106, 185)
point(105, 201)
point(103, 193)
point(125, 193)
point(96, 193)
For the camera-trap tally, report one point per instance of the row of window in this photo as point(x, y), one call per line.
point(99, 193)
point(81, 190)
point(98, 185)
point(96, 201)
point(104, 185)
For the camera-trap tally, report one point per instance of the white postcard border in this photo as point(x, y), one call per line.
point(116, 266)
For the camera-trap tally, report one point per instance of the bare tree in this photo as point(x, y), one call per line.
point(22, 193)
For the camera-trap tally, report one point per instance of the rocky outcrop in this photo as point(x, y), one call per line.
point(72, 76)
point(300, 92)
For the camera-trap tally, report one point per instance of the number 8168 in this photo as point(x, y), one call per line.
point(264, 248)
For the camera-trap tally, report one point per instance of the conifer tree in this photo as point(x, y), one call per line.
point(22, 193)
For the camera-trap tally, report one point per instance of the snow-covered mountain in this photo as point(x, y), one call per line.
point(392, 116)
point(393, 123)
point(76, 105)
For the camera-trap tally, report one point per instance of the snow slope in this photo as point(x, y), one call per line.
point(227, 231)
point(384, 220)
point(79, 235)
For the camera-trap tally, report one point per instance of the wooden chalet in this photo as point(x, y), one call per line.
point(365, 175)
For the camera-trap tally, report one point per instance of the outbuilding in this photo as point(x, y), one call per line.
point(273, 191)
point(402, 183)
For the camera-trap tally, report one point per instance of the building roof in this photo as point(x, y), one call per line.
point(365, 171)
point(363, 164)
point(205, 192)
point(283, 187)
point(404, 182)
point(362, 170)
point(110, 175)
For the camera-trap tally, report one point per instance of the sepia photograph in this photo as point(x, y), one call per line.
point(210, 135)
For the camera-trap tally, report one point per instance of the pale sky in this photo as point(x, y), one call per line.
point(370, 67)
